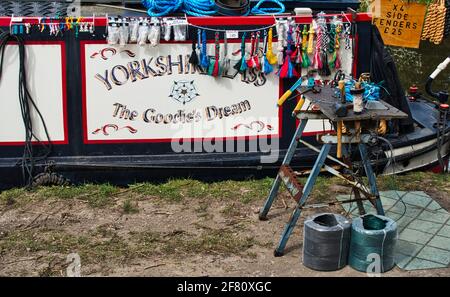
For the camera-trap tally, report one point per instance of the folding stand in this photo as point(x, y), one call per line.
point(300, 193)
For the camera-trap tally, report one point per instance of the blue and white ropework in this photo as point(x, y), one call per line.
point(268, 10)
point(158, 8)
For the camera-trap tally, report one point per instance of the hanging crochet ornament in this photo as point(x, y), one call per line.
point(204, 59)
point(282, 31)
point(335, 33)
point(271, 57)
point(266, 68)
point(324, 44)
point(241, 65)
point(346, 34)
point(296, 56)
point(193, 59)
point(226, 60)
point(317, 61)
point(287, 70)
point(253, 61)
point(213, 69)
point(312, 32)
point(306, 62)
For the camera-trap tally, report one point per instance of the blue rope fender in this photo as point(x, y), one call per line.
point(199, 7)
point(373, 239)
point(268, 10)
point(158, 8)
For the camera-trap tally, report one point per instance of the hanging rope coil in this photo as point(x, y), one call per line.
point(32, 154)
point(429, 26)
point(326, 242)
point(438, 35)
point(372, 235)
point(158, 8)
point(257, 9)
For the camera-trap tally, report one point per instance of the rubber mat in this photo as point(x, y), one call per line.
point(423, 227)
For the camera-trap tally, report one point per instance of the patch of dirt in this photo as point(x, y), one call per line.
point(194, 237)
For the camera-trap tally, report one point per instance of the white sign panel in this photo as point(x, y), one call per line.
point(149, 93)
point(45, 73)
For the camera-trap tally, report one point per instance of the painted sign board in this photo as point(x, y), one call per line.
point(150, 94)
point(399, 22)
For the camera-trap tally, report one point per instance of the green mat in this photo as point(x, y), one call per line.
point(423, 226)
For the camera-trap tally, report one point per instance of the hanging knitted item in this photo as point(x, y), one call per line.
point(317, 60)
point(204, 60)
point(226, 60)
point(271, 57)
point(266, 68)
point(331, 38)
point(287, 70)
point(253, 61)
point(281, 31)
point(305, 59)
point(346, 35)
point(339, 29)
point(193, 59)
point(241, 65)
point(296, 56)
point(334, 45)
point(312, 31)
point(324, 44)
point(213, 69)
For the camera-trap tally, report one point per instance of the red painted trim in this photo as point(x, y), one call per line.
point(155, 140)
point(206, 21)
point(64, 96)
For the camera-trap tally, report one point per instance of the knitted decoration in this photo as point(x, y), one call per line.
point(305, 59)
point(193, 59)
point(287, 70)
point(265, 64)
point(281, 31)
point(346, 36)
point(312, 28)
point(204, 59)
point(253, 61)
point(296, 56)
point(321, 21)
point(214, 64)
point(226, 60)
point(241, 65)
point(336, 26)
point(271, 57)
point(317, 59)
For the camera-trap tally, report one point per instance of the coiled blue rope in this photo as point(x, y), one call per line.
point(158, 8)
point(268, 10)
